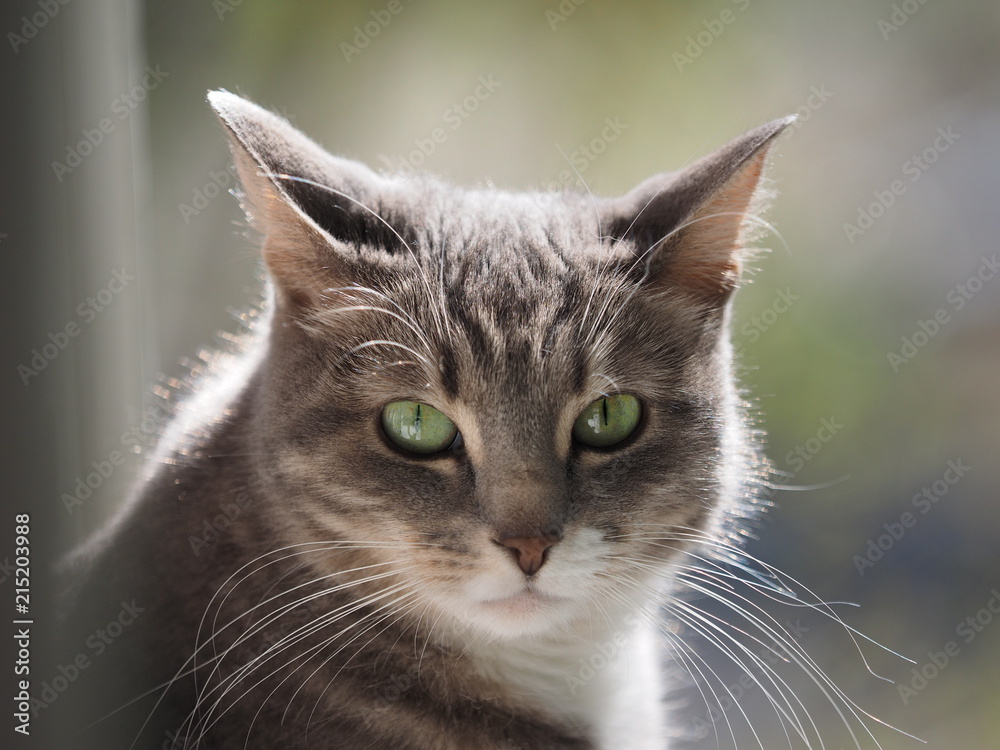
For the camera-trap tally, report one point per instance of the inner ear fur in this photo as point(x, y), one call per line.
point(288, 181)
point(689, 227)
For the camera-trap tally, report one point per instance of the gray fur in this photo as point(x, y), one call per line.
point(511, 312)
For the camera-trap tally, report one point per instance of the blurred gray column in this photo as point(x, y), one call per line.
point(72, 375)
point(77, 142)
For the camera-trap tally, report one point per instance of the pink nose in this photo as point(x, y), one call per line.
point(529, 551)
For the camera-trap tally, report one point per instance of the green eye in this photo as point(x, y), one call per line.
point(417, 428)
point(607, 421)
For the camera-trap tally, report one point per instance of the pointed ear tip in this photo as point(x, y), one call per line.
point(760, 138)
point(778, 126)
point(231, 107)
point(220, 99)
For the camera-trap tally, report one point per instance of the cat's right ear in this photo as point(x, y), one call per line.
point(285, 177)
point(688, 228)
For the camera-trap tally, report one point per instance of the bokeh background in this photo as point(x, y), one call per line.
point(869, 336)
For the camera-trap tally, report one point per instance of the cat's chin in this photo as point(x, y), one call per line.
point(523, 603)
point(525, 613)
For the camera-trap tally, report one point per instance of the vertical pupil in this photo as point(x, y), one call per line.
point(604, 408)
point(416, 421)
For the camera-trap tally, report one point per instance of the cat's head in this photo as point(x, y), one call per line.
point(518, 404)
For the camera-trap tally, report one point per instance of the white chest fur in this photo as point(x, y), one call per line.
point(607, 683)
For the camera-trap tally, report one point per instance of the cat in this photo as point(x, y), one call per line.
point(440, 495)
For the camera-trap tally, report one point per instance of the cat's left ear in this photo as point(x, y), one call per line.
point(688, 227)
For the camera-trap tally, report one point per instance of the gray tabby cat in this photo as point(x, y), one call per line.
point(477, 443)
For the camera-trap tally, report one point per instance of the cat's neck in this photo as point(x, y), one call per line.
point(591, 674)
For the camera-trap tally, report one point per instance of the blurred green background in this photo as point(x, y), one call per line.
point(887, 211)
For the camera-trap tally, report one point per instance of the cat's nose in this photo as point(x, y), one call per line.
point(530, 551)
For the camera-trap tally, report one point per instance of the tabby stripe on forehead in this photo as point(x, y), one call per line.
point(448, 368)
point(579, 370)
point(479, 340)
point(564, 313)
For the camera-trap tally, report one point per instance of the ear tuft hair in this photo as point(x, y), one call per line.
point(690, 226)
point(309, 204)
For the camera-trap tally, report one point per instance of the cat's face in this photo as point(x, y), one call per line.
point(516, 323)
point(524, 332)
